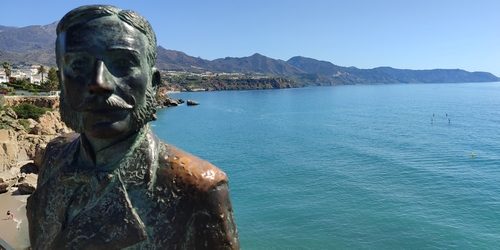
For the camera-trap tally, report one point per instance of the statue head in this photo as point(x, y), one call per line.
point(106, 59)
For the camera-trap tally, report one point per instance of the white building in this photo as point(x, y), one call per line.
point(36, 78)
point(18, 74)
point(28, 72)
point(3, 77)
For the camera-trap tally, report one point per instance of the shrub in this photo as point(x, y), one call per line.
point(25, 124)
point(25, 111)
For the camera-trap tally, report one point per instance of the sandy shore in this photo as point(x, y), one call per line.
point(13, 232)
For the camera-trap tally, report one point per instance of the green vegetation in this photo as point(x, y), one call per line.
point(6, 90)
point(52, 82)
point(25, 123)
point(26, 111)
point(42, 70)
point(6, 68)
point(24, 84)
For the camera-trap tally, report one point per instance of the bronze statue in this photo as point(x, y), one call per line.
point(115, 185)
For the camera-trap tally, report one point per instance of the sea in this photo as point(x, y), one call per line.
point(401, 166)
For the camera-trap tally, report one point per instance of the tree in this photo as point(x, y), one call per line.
point(6, 68)
point(42, 70)
point(52, 82)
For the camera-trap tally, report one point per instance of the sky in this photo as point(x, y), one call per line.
point(418, 34)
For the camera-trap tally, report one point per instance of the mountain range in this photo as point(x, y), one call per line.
point(35, 44)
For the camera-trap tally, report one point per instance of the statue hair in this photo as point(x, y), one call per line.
point(86, 13)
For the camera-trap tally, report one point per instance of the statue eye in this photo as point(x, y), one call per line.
point(121, 63)
point(79, 65)
point(122, 66)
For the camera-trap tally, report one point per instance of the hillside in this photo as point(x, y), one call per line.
point(31, 44)
point(256, 63)
point(28, 38)
point(35, 44)
point(325, 72)
point(179, 61)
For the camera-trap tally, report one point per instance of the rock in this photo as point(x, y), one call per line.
point(50, 124)
point(40, 101)
point(39, 151)
point(16, 145)
point(8, 149)
point(29, 168)
point(163, 100)
point(7, 135)
point(31, 123)
point(10, 176)
point(4, 186)
point(8, 179)
point(37, 130)
point(33, 143)
point(27, 184)
point(161, 96)
point(22, 155)
point(191, 103)
point(170, 102)
point(10, 112)
point(8, 121)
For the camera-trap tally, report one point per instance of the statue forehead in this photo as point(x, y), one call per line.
point(103, 32)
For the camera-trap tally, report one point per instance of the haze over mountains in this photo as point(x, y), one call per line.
point(35, 44)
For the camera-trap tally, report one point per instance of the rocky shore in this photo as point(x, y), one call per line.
point(163, 100)
point(22, 142)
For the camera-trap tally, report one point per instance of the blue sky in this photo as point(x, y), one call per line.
point(420, 34)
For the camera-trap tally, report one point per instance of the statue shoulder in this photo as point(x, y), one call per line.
point(207, 212)
point(56, 151)
point(187, 172)
point(62, 141)
point(58, 145)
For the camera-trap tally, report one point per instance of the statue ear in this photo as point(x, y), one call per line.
point(156, 77)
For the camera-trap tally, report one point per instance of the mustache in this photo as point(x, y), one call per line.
point(111, 102)
point(115, 101)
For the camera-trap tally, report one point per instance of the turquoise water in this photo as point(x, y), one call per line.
point(374, 166)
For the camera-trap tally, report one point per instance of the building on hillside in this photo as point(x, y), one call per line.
point(3, 77)
point(29, 72)
point(18, 74)
point(36, 78)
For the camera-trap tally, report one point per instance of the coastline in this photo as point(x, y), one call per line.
point(320, 86)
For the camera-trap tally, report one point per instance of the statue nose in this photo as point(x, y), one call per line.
point(101, 82)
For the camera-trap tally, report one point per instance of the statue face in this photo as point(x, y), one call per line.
point(105, 74)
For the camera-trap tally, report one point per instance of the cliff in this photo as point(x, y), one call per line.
point(196, 82)
point(20, 139)
point(40, 101)
point(22, 142)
